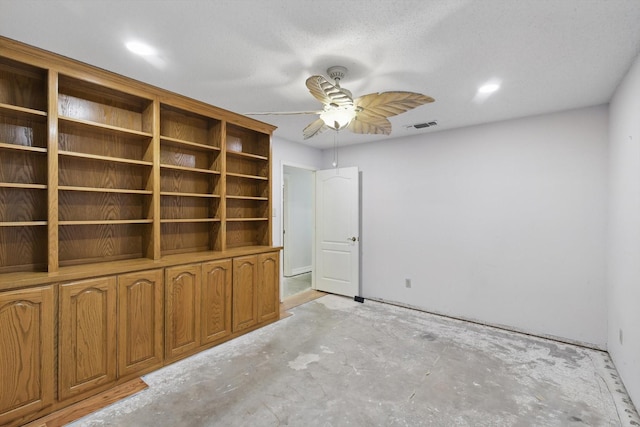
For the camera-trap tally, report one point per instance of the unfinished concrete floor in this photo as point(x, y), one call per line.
point(336, 362)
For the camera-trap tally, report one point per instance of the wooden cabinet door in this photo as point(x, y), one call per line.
point(140, 321)
point(268, 286)
point(245, 295)
point(86, 335)
point(26, 352)
point(215, 300)
point(182, 310)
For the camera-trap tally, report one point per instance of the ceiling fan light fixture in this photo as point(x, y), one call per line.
point(338, 118)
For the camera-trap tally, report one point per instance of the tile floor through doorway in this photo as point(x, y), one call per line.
point(335, 362)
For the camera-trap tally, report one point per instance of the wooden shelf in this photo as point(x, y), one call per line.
point(107, 222)
point(105, 127)
point(22, 148)
point(189, 144)
point(246, 219)
point(22, 223)
point(246, 155)
point(103, 190)
point(23, 112)
point(188, 169)
point(239, 175)
point(104, 158)
point(187, 220)
point(21, 185)
point(263, 199)
point(177, 194)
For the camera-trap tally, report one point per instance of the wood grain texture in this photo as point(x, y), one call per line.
point(23, 85)
point(140, 321)
point(250, 233)
point(248, 166)
point(85, 407)
point(92, 243)
point(184, 155)
point(82, 100)
point(23, 249)
point(178, 181)
point(24, 130)
point(239, 208)
point(178, 207)
point(215, 300)
point(188, 126)
point(182, 310)
point(22, 205)
point(246, 141)
point(87, 335)
point(52, 172)
point(77, 206)
point(26, 353)
point(23, 167)
point(268, 286)
point(188, 237)
point(245, 292)
point(92, 140)
point(78, 172)
point(237, 186)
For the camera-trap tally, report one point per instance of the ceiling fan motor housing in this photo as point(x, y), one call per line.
point(337, 72)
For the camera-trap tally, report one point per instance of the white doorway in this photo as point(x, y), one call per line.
point(297, 229)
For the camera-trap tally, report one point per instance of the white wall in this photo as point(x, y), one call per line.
point(301, 183)
point(502, 223)
point(624, 231)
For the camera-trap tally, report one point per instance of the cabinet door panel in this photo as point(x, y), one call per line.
point(182, 312)
point(215, 301)
point(245, 295)
point(26, 352)
point(268, 286)
point(140, 321)
point(87, 335)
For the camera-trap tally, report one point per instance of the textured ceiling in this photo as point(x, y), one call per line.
point(255, 55)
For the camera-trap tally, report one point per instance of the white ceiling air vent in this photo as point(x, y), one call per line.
point(423, 125)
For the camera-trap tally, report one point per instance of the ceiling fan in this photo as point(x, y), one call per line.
point(366, 115)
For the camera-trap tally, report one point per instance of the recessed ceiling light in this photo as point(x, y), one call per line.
point(488, 88)
point(140, 48)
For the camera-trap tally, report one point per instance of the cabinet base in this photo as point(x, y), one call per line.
point(85, 407)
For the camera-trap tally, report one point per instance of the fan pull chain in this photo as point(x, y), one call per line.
point(335, 150)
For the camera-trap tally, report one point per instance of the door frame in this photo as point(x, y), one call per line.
point(313, 170)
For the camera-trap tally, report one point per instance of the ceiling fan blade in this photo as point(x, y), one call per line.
point(375, 125)
point(314, 128)
point(327, 93)
point(387, 104)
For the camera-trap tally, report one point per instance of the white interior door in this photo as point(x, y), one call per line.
point(337, 231)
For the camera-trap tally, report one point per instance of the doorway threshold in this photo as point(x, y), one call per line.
point(298, 299)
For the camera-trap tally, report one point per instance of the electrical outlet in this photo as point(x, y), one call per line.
point(620, 335)
point(407, 283)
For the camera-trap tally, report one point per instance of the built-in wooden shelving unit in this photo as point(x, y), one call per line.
point(97, 168)
point(135, 230)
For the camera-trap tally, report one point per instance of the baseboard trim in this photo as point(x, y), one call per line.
point(300, 270)
point(496, 326)
point(85, 407)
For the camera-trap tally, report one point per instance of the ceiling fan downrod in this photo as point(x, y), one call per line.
point(337, 73)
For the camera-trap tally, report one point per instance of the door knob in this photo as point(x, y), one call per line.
point(353, 239)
